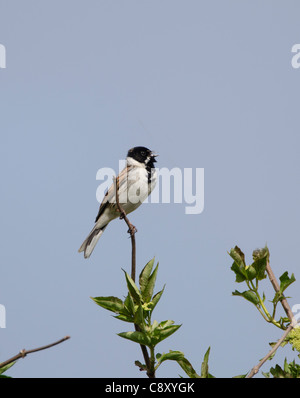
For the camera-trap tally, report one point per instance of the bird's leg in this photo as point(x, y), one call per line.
point(132, 229)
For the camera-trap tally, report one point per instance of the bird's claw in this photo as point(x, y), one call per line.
point(132, 229)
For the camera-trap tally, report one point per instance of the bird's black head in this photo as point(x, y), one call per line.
point(142, 155)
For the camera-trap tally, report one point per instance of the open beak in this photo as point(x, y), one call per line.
point(154, 155)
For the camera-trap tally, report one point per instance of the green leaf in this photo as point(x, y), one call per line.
point(129, 304)
point(260, 257)
point(165, 324)
point(125, 318)
point(178, 356)
point(156, 298)
point(239, 265)
point(260, 253)
point(188, 368)
point(154, 325)
point(149, 287)
point(243, 376)
point(139, 316)
point(285, 342)
point(110, 303)
point(248, 295)
point(133, 289)
point(286, 281)
point(284, 321)
point(266, 374)
point(238, 256)
point(204, 366)
point(144, 275)
point(286, 367)
point(137, 337)
point(4, 369)
point(250, 272)
point(162, 331)
point(240, 273)
point(171, 355)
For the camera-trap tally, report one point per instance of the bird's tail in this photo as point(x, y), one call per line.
point(89, 244)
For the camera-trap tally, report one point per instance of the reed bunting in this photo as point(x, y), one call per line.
point(136, 181)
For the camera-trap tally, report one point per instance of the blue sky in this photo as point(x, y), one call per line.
point(206, 84)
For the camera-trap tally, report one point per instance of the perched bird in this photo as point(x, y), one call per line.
point(136, 181)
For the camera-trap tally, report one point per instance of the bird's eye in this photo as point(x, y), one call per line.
point(143, 153)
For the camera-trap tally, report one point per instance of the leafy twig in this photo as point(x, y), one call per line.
point(283, 301)
point(258, 270)
point(288, 312)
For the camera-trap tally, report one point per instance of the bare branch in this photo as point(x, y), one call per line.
point(23, 353)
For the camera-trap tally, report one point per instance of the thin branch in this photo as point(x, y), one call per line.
point(132, 230)
point(283, 301)
point(256, 368)
point(23, 353)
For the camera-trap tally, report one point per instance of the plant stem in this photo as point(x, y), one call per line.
point(262, 308)
point(132, 231)
point(152, 362)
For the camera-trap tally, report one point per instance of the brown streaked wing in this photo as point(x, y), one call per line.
point(111, 191)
